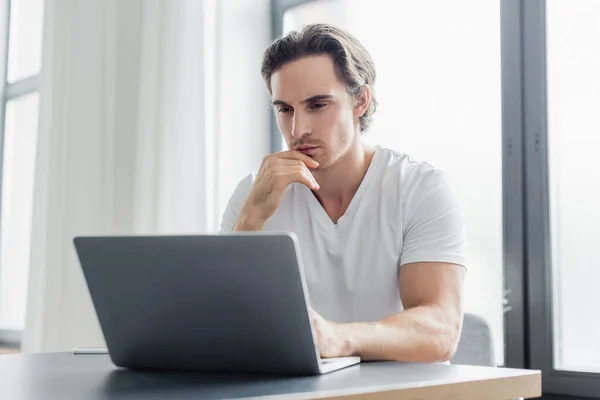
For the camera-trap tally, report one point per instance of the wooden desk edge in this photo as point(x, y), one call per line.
point(528, 385)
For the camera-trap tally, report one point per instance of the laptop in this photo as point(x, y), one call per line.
point(222, 303)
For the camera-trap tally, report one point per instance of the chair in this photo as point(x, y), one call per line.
point(476, 346)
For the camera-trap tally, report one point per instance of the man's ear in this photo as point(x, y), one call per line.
point(362, 101)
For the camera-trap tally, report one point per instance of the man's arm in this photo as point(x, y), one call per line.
point(430, 281)
point(427, 331)
point(255, 200)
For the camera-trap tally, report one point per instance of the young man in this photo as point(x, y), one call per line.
point(381, 235)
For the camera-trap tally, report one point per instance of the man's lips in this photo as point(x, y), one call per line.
point(307, 149)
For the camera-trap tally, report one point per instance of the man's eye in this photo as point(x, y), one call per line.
point(319, 105)
point(284, 109)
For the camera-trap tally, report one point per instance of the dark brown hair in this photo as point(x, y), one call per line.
point(353, 64)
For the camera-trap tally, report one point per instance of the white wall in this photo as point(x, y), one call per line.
point(93, 185)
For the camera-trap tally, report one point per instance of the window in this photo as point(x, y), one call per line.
point(439, 101)
point(562, 97)
point(25, 39)
point(504, 95)
point(574, 143)
point(20, 61)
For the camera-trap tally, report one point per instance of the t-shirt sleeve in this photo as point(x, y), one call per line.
point(434, 229)
point(235, 204)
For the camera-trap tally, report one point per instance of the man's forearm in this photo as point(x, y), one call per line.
point(419, 334)
point(246, 227)
point(248, 223)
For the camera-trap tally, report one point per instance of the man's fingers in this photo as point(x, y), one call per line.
point(293, 173)
point(304, 177)
point(316, 332)
point(314, 317)
point(296, 155)
point(289, 162)
point(311, 177)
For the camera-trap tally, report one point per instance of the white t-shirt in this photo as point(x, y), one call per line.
point(403, 212)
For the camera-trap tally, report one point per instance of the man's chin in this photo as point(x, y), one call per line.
point(324, 162)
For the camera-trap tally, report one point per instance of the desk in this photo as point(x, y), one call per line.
point(52, 376)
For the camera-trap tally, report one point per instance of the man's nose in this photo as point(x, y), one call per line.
point(300, 126)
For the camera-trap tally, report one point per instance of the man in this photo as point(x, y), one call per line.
point(381, 235)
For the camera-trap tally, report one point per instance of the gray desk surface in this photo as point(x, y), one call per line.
point(66, 376)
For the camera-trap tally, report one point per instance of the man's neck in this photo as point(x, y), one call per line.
point(339, 183)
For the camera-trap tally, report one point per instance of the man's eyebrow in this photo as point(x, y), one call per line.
point(317, 98)
point(309, 100)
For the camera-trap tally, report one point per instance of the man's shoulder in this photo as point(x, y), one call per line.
point(248, 179)
point(407, 171)
point(244, 185)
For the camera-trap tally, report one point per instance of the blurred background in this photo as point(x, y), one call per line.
point(141, 116)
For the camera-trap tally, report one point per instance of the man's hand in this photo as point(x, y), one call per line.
point(330, 339)
point(276, 173)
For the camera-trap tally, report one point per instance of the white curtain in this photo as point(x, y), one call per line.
point(135, 129)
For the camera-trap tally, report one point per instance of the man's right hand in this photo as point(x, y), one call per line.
point(275, 174)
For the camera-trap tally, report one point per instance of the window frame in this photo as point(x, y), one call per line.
point(528, 318)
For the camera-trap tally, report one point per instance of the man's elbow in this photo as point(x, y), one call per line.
point(446, 351)
point(443, 336)
point(436, 349)
point(447, 342)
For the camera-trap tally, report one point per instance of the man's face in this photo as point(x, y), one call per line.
point(314, 111)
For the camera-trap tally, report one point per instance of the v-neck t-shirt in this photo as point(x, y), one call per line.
point(404, 211)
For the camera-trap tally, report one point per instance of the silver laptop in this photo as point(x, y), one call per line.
point(230, 302)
